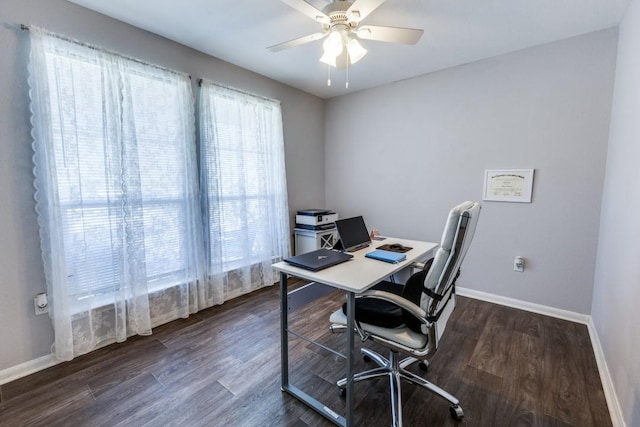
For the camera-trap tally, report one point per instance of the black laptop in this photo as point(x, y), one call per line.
point(319, 259)
point(353, 234)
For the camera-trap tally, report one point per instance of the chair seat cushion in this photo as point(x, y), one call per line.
point(388, 315)
point(401, 335)
point(379, 312)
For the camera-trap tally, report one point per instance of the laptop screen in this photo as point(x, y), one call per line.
point(353, 233)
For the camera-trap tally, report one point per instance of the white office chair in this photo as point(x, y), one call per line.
point(412, 318)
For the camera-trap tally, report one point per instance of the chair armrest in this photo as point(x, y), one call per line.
point(418, 265)
point(403, 303)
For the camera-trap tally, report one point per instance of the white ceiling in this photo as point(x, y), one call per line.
point(455, 32)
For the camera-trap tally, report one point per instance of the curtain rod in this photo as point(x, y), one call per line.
point(139, 61)
point(266, 98)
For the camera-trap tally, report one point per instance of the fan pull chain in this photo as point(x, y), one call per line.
point(346, 84)
point(328, 75)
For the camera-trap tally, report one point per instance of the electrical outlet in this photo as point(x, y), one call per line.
point(38, 305)
point(518, 264)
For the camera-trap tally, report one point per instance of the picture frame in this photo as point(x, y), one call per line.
point(508, 185)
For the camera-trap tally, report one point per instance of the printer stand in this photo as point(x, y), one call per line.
point(310, 240)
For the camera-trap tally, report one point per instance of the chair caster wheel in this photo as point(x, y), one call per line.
point(366, 358)
point(456, 412)
point(423, 366)
point(342, 392)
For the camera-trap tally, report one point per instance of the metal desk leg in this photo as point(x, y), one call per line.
point(294, 391)
point(284, 339)
point(351, 308)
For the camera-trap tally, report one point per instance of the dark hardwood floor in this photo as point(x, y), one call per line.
point(221, 367)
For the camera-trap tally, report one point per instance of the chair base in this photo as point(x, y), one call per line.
point(395, 370)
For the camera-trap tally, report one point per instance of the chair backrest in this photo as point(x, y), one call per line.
point(438, 298)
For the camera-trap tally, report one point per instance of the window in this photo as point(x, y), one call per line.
point(116, 190)
point(243, 181)
point(120, 211)
point(103, 168)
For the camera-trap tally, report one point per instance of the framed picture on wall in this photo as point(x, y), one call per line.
point(508, 185)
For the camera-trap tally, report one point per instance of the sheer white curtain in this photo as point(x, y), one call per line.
point(243, 183)
point(116, 191)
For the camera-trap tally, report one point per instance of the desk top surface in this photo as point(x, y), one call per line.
point(360, 273)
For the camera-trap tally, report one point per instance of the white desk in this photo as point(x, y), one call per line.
point(354, 276)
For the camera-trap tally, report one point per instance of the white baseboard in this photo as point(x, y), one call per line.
point(617, 418)
point(613, 403)
point(27, 368)
point(524, 305)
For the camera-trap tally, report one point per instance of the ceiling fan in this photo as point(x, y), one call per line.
point(340, 23)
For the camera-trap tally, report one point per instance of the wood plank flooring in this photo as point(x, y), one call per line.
point(221, 367)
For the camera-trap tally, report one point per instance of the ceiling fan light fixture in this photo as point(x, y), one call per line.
point(333, 45)
point(340, 22)
point(328, 59)
point(356, 51)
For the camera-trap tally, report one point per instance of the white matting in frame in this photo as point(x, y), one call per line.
point(508, 185)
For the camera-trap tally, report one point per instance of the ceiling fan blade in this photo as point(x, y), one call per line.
point(361, 8)
point(389, 34)
point(297, 42)
point(305, 8)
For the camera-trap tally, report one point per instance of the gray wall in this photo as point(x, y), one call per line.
point(23, 336)
point(404, 153)
point(617, 277)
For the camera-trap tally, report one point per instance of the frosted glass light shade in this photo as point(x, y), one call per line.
point(328, 59)
point(333, 44)
point(356, 51)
